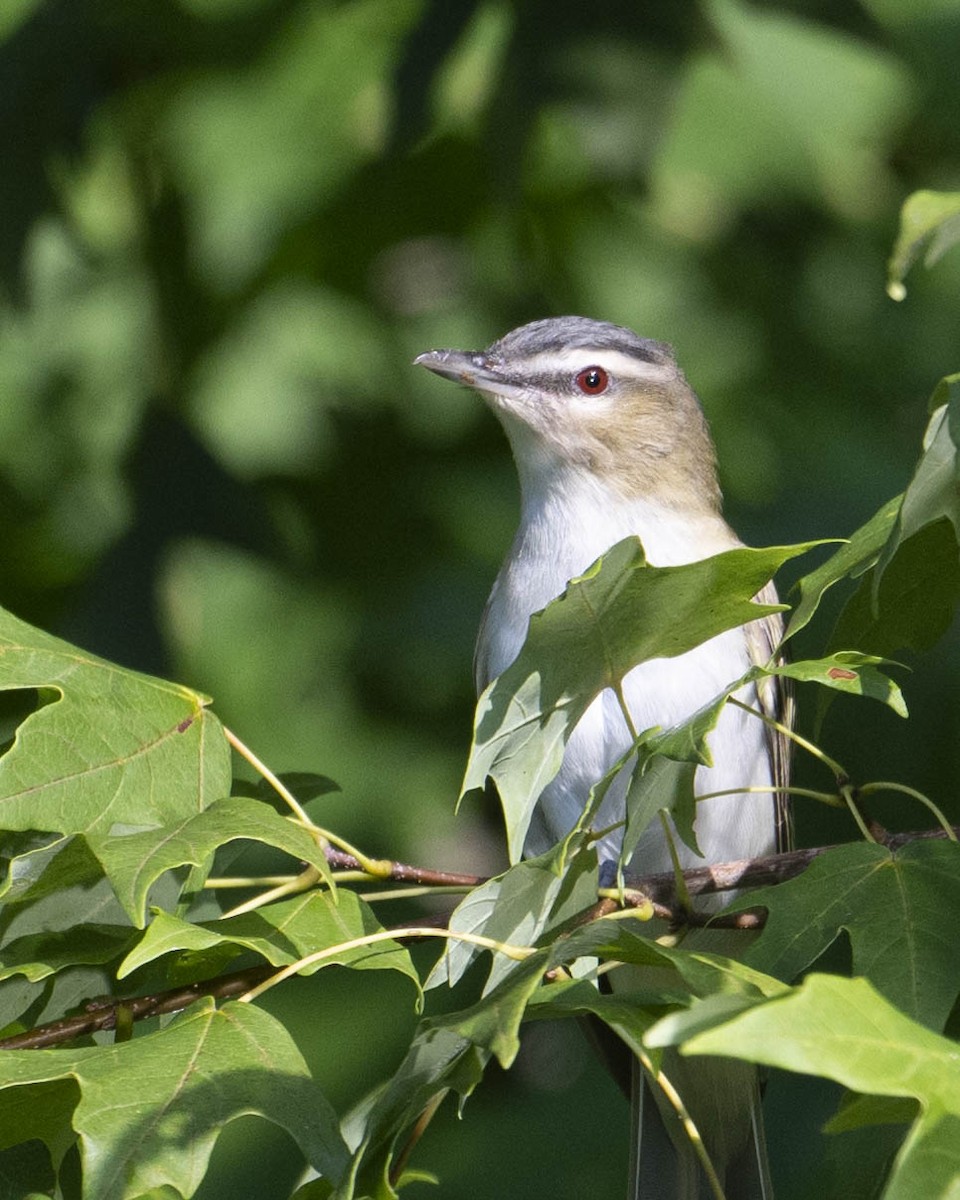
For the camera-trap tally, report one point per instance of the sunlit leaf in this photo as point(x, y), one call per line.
point(515, 908)
point(91, 761)
point(282, 933)
point(844, 1030)
point(845, 671)
point(135, 862)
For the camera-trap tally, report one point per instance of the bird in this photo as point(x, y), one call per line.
point(609, 440)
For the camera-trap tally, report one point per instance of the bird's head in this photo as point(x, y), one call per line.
point(573, 393)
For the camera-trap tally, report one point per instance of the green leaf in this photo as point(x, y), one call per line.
point(51, 891)
point(44, 869)
point(854, 557)
point(901, 911)
point(452, 1050)
point(179, 1087)
point(845, 671)
point(704, 973)
point(494, 1021)
point(515, 908)
point(45, 1116)
point(844, 1030)
point(665, 771)
point(90, 761)
point(439, 1060)
point(913, 604)
point(38, 955)
point(629, 1014)
point(933, 493)
point(855, 1112)
point(619, 613)
point(659, 782)
point(929, 1163)
point(255, 148)
point(282, 933)
point(767, 112)
point(930, 219)
point(135, 862)
point(315, 1189)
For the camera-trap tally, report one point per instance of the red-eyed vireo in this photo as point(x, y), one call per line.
point(609, 440)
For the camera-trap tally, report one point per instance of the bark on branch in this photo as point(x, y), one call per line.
point(659, 889)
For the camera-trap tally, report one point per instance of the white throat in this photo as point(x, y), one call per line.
point(569, 517)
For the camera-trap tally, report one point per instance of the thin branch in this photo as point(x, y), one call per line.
point(405, 873)
point(655, 893)
point(661, 888)
point(103, 1014)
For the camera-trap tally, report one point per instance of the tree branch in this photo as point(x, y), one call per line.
point(405, 873)
point(660, 890)
point(758, 872)
point(102, 1014)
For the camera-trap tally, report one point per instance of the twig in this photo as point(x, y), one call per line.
point(656, 891)
point(103, 1014)
point(756, 872)
point(405, 873)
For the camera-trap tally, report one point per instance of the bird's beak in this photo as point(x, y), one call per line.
point(472, 368)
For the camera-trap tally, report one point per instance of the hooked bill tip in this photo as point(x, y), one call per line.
point(451, 364)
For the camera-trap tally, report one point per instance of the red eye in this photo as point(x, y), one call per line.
point(592, 381)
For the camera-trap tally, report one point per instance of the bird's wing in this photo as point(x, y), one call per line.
point(775, 697)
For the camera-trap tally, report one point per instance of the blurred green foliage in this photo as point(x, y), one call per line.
point(228, 227)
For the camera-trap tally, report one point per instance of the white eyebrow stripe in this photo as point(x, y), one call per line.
point(614, 361)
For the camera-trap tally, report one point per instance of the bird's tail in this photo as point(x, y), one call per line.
point(722, 1098)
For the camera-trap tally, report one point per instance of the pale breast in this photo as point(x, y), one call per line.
point(563, 530)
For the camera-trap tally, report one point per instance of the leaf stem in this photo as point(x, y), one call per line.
point(379, 868)
point(411, 893)
point(517, 953)
point(829, 798)
point(246, 881)
point(307, 879)
point(887, 786)
point(416, 1133)
point(795, 737)
point(264, 771)
point(849, 795)
point(683, 894)
point(622, 701)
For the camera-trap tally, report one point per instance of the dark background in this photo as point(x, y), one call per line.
point(228, 226)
